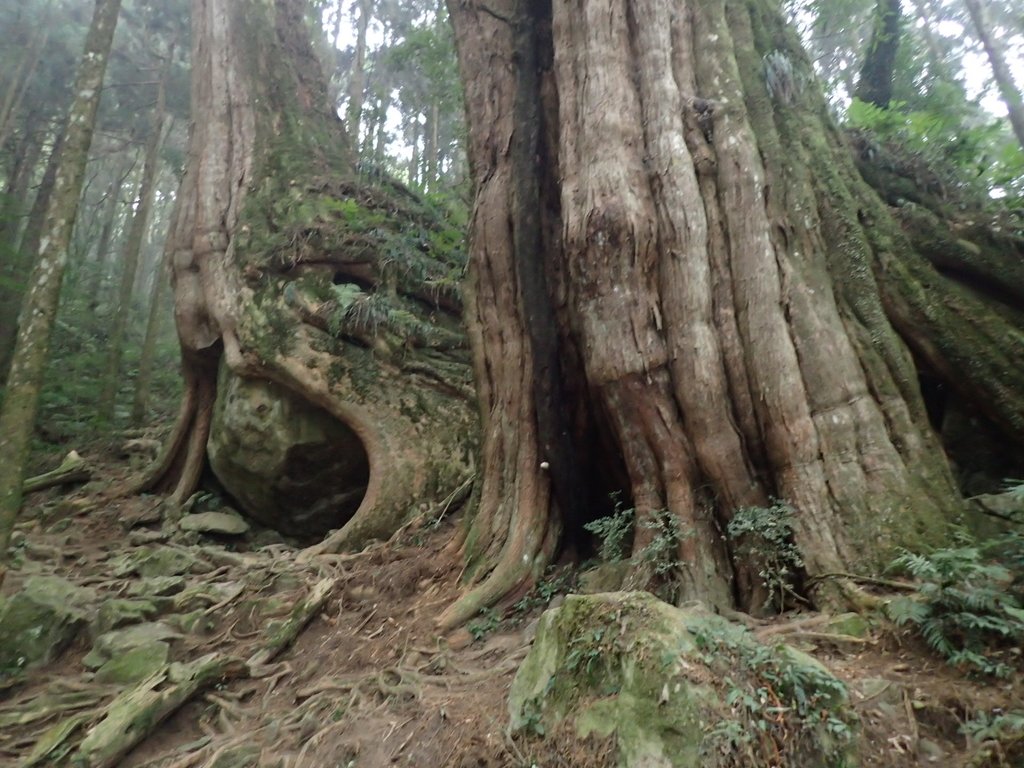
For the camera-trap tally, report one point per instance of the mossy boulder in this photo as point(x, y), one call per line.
point(119, 642)
point(678, 687)
point(159, 561)
point(39, 620)
point(135, 664)
point(291, 466)
point(118, 612)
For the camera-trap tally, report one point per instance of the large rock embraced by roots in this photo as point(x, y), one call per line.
point(667, 687)
point(289, 464)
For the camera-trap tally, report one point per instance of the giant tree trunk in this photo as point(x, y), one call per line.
point(296, 282)
point(39, 310)
point(681, 285)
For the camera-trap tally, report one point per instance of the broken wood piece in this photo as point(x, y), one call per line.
point(74, 469)
point(137, 712)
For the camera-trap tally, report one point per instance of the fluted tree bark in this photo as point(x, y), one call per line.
point(682, 290)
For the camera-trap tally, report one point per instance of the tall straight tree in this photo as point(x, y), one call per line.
point(1000, 69)
point(39, 310)
point(681, 284)
point(132, 247)
point(874, 86)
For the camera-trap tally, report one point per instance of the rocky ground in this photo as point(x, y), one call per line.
point(136, 637)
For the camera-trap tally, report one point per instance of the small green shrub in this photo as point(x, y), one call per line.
point(764, 535)
point(545, 590)
point(782, 708)
point(483, 626)
point(662, 552)
point(614, 531)
point(969, 605)
point(999, 739)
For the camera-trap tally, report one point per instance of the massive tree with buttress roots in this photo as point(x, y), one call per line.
point(681, 293)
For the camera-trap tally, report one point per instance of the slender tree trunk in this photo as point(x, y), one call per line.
point(680, 285)
point(936, 54)
point(16, 272)
point(414, 156)
point(874, 86)
point(12, 208)
point(130, 259)
point(18, 413)
point(430, 149)
point(96, 283)
point(1000, 70)
point(357, 80)
point(154, 321)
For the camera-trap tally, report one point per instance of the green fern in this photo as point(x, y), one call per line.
point(969, 606)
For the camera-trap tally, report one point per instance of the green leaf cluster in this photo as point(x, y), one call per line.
point(969, 603)
point(764, 535)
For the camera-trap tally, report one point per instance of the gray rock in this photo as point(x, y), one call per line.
point(119, 642)
point(291, 465)
point(226, 523)
point(38, 621)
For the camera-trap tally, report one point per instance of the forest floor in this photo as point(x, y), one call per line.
point(367, 680)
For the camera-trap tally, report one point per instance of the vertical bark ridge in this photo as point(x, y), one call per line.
point(716, 274)
point(514, 533)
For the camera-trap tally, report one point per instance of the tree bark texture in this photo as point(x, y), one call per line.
point(39, 309)
point(288, 268)
point(678, 278)
point(357, 77)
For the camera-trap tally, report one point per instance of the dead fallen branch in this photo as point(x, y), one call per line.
point(74, 469)
point(133, 715)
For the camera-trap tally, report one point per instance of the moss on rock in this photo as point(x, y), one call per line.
point(678, 687)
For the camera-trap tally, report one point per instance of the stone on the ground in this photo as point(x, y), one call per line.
point(157, 586)
point(135, 664)
point(225, 523)
point(675, 688)
point(117, 612)
point(606, 577)
point(849, 624)
point(38, 621)
point(120, 641)
point(158, 561)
